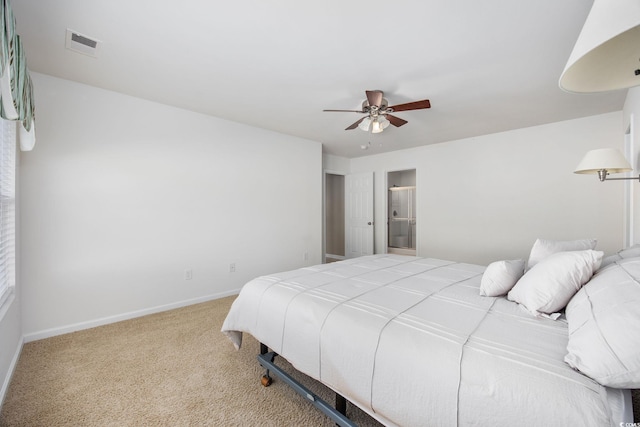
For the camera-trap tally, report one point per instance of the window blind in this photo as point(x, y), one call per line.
point(7, 208)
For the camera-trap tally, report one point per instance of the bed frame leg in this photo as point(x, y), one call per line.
point(266, 379)
point(336, 414)
point(341, 404)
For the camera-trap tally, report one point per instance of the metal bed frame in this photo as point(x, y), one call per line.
point(338, 414)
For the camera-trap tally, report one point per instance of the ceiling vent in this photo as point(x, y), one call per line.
point(82, 44)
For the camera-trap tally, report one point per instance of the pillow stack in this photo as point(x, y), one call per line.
point(555, 271)
point(602, 300)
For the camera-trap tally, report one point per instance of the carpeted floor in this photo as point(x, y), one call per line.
point(168, 369)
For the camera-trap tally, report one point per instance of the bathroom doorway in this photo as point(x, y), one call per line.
point(401, 212)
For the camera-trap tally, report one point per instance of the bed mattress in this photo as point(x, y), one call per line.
point(411, 341)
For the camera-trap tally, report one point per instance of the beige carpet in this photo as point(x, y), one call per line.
point(168, 369)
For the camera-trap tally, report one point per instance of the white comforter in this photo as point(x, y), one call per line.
point(411, 341)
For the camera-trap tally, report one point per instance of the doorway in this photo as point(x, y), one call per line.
point(401, 212)
point(334, 217)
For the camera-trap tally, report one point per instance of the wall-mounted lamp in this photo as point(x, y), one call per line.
point(605, 56)
point(603, 162)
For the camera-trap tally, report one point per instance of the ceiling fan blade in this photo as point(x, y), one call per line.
point(345, 111)
point(396, 121)
point(374, 97)
point(417, 105)
point(355, 125)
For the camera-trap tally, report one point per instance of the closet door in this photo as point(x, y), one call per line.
point(359, 214)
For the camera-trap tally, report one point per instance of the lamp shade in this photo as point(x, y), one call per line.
point(607, 52)
point(608, 159)
point(376, 126)
point(364, 124)
point(384, 123)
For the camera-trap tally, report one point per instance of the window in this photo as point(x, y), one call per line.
point(7, 208)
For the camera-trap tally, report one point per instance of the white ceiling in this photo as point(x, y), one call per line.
point(486, 66)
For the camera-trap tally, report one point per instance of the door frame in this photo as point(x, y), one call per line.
point(629, 202)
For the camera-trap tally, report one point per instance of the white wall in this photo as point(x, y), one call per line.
point(332, 163)
point(122, 195)
point(488, 198)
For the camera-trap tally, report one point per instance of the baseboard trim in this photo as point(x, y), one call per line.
point(12, 369)
point(48, 333)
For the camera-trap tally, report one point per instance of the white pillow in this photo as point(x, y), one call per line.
point(500, 276)
point(604, 326)
point(550, 284)
point(543, 248)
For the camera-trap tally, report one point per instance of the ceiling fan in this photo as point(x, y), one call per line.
point(377, 111)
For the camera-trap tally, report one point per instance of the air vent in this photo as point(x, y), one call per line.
point(82, 44)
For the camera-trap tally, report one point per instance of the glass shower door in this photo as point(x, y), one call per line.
point(402, 220)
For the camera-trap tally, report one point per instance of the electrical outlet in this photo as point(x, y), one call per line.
point(232, 267)
point(188, 274)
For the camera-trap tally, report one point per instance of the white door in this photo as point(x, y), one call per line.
point(358, 205)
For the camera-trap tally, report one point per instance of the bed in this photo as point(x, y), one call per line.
point(411, 341)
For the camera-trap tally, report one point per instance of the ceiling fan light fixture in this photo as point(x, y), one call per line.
point(384, 123)
point(376, 126)
point(377, 111)
point(364, 124)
